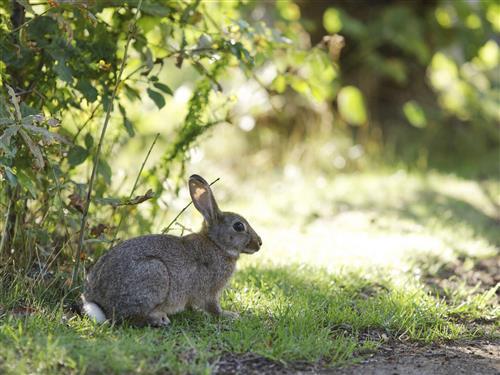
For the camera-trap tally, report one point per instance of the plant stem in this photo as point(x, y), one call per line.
point(99, 146)
point(5, 241)
point(133, 188)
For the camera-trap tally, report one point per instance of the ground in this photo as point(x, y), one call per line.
point(466, 357)
point(383, 273)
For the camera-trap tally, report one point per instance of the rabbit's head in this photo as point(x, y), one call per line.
point(230, 231)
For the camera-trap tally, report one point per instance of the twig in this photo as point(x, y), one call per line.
point(92, 114)
point(30, 20)
point(158, 60)
point(165, 230)
point(99, 146)
point(184, 228)
point(133, 188)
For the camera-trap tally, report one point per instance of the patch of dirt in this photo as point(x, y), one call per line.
point(254, 364)
point(472, 357)
point(465, 357)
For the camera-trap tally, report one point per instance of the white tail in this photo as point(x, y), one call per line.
point(93, 311)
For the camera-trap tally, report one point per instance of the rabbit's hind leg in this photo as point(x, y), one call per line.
point(157, 318)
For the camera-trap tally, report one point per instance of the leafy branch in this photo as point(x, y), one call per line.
point(99, 146)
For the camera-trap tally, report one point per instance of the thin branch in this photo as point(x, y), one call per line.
point(30, 20)
point(133, 188)
point(92, 114)
point(159, 60)
point(99, 146)
point(165, 230)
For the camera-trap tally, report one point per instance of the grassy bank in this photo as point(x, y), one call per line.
point(348, 263)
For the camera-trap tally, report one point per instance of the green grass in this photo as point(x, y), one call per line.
point(348, 261)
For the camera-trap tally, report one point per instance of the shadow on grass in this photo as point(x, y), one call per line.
point(454, 211)
point(288, 314)
point(428, 207)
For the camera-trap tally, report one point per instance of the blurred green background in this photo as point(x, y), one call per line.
point(254, 92)
point(368, 86)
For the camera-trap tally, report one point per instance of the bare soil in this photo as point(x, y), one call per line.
point(466, 357)
point(472, 357)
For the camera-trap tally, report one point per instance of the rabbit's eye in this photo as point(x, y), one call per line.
point(239, 226)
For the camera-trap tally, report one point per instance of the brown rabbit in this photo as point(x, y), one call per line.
point(147, 278)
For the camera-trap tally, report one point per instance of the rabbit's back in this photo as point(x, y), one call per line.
point(135, 276)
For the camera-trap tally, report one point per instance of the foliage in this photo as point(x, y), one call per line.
point(61, 60)
point(428, 74)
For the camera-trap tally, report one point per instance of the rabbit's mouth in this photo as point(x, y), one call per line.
point(253, 246)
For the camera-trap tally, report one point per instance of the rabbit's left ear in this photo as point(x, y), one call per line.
point(203, 198)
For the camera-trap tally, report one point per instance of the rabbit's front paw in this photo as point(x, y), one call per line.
point(158, 320)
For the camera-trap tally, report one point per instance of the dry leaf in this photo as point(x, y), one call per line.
point(76, 202)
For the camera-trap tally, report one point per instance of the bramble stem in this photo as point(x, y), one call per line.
point(133, 188)
point(99, 146)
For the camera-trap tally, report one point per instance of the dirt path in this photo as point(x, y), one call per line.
point(471, 357)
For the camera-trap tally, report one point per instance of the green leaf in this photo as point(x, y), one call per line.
point(32, 119)
point(157, 10)
point(46, 135)
point(7, 121)
point(106, 101)
point(157, 98)
point(332, 21)
point(279, 84)
point(15, 101)
point(351, 105)
point(162, 87)
point(300, 85)
point(26, 182)
point(10, 176)
point(132, 93)
point(34, 149)
point(89, 92)
point(77, 155)
point(415, 114)
point(6, 137)
point(63, 71)
point(126, 122)
point(129, 127)
point(89, 141)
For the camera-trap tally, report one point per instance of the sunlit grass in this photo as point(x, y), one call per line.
point(344, 257)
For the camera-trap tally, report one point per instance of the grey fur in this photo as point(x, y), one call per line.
point(147, 278)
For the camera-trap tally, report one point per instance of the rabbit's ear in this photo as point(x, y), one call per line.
point(203, 199)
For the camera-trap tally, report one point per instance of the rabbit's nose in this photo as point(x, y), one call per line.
point(255, 243)
point(257, 240)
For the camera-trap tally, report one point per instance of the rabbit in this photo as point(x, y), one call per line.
point(145, 279)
